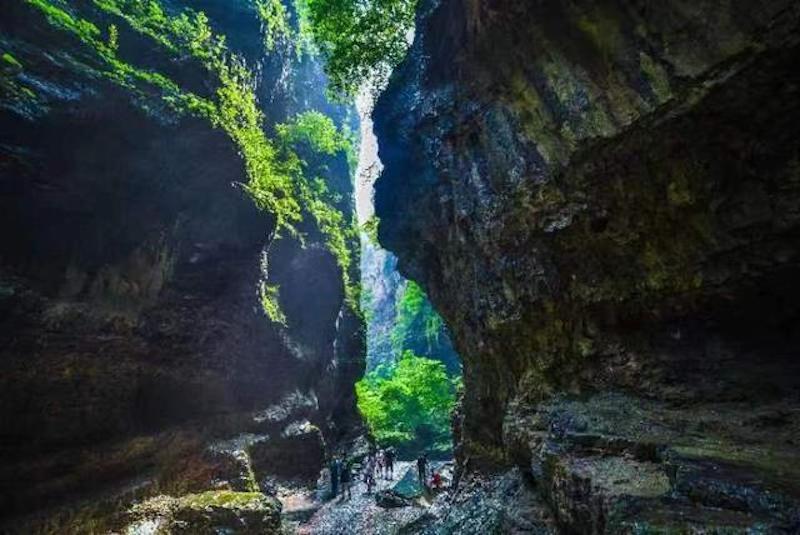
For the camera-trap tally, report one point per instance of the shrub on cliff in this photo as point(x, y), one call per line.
point(408, 405)
point(360, 40)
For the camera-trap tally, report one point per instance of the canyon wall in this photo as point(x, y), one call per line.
point(602, 199)
point(398, 322)
point(133, 333)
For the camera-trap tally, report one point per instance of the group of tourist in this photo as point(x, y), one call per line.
point(378, 464)
point(341, 473)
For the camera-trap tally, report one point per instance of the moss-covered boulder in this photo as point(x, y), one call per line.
point(211, 512)
point(602, 199)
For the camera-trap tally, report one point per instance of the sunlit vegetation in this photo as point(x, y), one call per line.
point(361, 40)
point(415, 314)
point(276, 175)
point(269, 294)
point(116, 70)
point(370, 229)
point(277, 26)
point(315, 129)
point(10, 88)
point(275, 19)
point(340, 235)
point(9, 62)
point(409, 404)
point(316, 132)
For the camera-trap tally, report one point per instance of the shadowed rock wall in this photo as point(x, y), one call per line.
point(131, 326)
point(601, 198)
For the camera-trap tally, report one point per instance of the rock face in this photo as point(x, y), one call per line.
point(382, 283)
point(298, 453)
point(397, 323)
point(601, 198)
point(132, 329)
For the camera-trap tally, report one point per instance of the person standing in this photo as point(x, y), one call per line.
point(369, 474)
point(346, 477)
point(379, 466)
point(335, 468)
point(422, 470)
point(389, 462)
point(436, 481)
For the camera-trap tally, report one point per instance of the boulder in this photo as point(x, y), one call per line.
point(391, 499)
point(210, 513)
point(298, 453)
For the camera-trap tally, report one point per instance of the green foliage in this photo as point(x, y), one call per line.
point(275, 20)
point(186, 33)
point(370, 229)
point(269, 296)
point(340, 235)
point(276, 178)
point(10, 62)
point(114, 68)
point(361, 40)
point(368, 305)
point(236, 108)
point(409, 404)
point(304, 39)
point(351, 148)
point(277, 27)
point(113, 38)
point(270, 177)
point(414, 314)
point(316, 130)
point(12, 89)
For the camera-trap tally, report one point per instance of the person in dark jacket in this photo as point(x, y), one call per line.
point(346, 477)
point(422, 470)
point(389, 462)
point(335, 469)
point(369, 474)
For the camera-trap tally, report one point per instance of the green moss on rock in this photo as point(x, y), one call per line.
point(211, 512)
point(10, 62)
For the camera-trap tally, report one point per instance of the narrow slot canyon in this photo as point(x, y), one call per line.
point(399, 267)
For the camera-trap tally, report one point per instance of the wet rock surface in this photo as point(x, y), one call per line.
point(498, 503)
point(601, 200)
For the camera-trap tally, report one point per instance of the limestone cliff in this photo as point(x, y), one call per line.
point(132, 327)
point(602, 199)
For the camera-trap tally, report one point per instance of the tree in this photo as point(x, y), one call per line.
point(361, 40)
point(415, 315)
point(409, 404)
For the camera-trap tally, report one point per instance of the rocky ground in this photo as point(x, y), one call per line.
point(480, 504)
point(361, 514)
